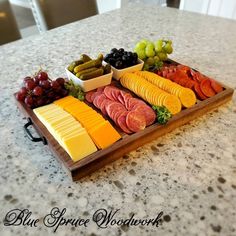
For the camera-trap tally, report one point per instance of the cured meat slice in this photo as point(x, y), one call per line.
point(216, 86)
point(199, 93)
point(108, 92)
point(149, 114)
point(96, 99)
point(103, 104)
point(121, 99)
point(121, 122)
point(115, 93)
point(112, 107)
point(88, 96)
point(100, 89)
point(95, 94)
point(206, 88)
point(116, 109)
point(135, 121)
point(100, 99)
point(131, 102)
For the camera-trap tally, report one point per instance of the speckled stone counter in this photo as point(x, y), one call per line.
point(189, 174)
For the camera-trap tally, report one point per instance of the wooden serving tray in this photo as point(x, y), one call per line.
point(127, 143)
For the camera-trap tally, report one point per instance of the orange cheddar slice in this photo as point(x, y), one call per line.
point(104, 135)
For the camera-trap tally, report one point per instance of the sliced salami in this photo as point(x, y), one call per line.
point(103, 104)
point(121, 99)
point(108, 92)
point(100, 99)
point(135, 121)
point(121, 122)
point(89, 95)
point(95, 94)
point(134, 101)
point(100, 89)
point(149, 114)
point(111, 106)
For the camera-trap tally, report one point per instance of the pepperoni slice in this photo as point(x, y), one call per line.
point(216, 86)
point(135, 121)
point(121, 121)
point(199, 93)
point(89, 95)
point(206, 88)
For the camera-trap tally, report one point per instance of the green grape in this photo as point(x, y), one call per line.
point(150, 61)
point(144, 41)
point(140, 45)
point(151, 45)
point(141, 53)
point(168, 48)
point(146, 66)
point(156, 58)
point(162, 56)
point(149, 50)
point(158, 45)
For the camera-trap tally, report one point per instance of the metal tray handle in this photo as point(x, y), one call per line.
point(30, 136)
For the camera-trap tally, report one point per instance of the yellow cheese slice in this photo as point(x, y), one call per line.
point(79, 146)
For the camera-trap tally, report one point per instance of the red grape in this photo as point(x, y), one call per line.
point(30, 84)
point(40, 102)
point(29, 101)
point(50, 94)
point(23, 91)
point(20, 96)
point(57, 97)
point(55, 85)
point(45, 84)
point(42, 75)
point(26, 78)
point(38, 91)
point(36, 79)
point(61, 81)
point(64, 92)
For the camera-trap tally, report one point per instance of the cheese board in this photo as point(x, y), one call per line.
point(127, 142)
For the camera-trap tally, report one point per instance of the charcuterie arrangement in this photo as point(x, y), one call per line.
point(106, 100)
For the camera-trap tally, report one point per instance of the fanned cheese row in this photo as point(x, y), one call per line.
point(100, 130)
point(66, 130)
point(150, 92)
point(186, 95)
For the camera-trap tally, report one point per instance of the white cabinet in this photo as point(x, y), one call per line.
point(108, 5)
point(222, 8)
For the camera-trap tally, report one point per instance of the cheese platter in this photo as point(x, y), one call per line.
point(85, 130)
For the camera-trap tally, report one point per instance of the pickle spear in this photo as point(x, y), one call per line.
point(93, 74)
point(89, 64)
point(86, 71)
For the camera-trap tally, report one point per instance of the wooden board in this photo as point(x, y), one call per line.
point(128, 143)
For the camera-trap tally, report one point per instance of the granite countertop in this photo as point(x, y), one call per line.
point(189, 174)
